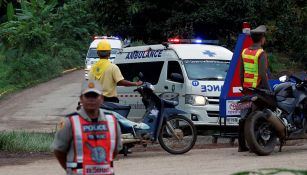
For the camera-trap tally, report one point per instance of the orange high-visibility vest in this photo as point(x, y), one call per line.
point(251, 64)
point(94, 145)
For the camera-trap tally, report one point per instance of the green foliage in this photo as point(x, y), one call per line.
point(44, 37)
point(290, 36)
point(3, 77)
point(25, 141)
point(42, 40)
point(30, 31)
point(32, 67)
point(78, 24)
point(69, 58)
point(113, 17)
point(10, 11)
point(155, 21)
point(277, 63)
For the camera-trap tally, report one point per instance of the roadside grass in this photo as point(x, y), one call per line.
point(22, 141)
point(271, 171)
point(4, 84)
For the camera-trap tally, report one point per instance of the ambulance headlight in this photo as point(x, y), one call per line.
point(88, 67)
point(196, 100)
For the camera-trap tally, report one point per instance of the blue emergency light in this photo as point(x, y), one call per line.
point(192, 41)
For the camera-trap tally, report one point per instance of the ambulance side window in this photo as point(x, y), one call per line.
point(173, 67)
point(150, 70)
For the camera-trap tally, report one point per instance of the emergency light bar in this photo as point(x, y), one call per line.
point(105, 37)
point(191, 41)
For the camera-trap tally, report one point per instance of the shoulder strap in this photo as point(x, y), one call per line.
point(113, 133)
point(71, 114)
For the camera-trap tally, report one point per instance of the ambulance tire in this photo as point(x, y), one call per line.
point(184, 136)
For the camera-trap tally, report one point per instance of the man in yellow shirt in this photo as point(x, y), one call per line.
point(108, 74)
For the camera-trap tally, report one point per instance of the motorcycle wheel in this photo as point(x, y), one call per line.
point(260, 135)
point(182, 139)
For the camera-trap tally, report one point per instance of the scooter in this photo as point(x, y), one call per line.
point(161, 122)
point(281, 114)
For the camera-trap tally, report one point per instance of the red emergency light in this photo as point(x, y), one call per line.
point(192, 41)
point(246, 28)
point(173, 40)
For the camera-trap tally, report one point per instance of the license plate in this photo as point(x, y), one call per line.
point(232, 120)
point(244, 105)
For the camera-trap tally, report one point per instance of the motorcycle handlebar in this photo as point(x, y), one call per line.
point(245, 90)
point(136, 90)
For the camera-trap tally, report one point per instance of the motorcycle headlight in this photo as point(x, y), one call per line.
point(196, 100)
point(152, 87)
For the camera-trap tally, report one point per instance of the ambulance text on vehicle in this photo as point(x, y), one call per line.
point(194, 71)
point(92, 57)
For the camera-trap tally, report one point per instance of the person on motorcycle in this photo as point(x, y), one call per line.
point(108, 74)
point(253, 71)
point(89, 139)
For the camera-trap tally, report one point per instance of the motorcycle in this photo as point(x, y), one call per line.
point(275, 115)
point(161, 122)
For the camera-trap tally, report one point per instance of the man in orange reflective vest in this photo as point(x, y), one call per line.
point(87, 142)
point(253, 71)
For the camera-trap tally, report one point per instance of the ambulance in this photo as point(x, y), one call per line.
point(187, 69)
point(92, 57)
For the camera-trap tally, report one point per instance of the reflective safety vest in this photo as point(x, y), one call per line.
point(94, 145)
point(251, 64)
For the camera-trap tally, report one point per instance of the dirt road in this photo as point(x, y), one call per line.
point(39, 108)
point(196, 162)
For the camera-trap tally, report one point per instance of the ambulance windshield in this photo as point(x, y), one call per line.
point(92, 53)
point(206, 69)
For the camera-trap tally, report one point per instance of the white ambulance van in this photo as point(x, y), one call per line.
point(194, 71)
point(92, 57)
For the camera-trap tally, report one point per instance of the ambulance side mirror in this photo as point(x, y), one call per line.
point(177, 77)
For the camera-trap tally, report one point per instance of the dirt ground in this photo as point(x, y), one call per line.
point(39, 108)
point(8, 158)
point(219, 161)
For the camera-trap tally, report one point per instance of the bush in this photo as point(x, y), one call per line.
point(276, 63)
point(69, 58)
point(33, 67)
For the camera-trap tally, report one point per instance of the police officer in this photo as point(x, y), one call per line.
point(108, 74)
point(87, 141)
point(253, 71)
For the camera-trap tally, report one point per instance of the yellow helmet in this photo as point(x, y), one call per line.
point(104, 45)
